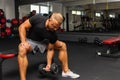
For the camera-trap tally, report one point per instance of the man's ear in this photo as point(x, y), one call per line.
point(49, 19)
point(63, 18)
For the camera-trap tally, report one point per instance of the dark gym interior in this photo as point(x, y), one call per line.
point(91, 31)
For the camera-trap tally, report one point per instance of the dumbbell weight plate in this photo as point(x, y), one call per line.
point(54, 68)
point(41, 70)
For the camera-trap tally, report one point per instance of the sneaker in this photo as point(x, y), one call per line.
point(70, 74)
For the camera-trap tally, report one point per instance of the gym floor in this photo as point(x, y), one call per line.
point(82, 60)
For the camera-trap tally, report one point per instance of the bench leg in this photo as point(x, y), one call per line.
point(1, 76)
point(0, 71)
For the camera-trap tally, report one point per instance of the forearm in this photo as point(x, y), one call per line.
point(50, 54)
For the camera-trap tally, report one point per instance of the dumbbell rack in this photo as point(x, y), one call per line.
point(2, 23)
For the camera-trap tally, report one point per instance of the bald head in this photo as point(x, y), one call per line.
point(58, 17)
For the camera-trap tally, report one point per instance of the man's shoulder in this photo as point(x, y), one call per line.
point(38, 16)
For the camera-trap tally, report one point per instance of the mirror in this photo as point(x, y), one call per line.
point(101, 17)
point(95, 17)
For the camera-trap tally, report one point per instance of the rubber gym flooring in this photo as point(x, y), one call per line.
point(82, 60)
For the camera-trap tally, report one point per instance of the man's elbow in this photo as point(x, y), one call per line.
point(19, 28)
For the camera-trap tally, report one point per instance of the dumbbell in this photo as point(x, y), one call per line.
point(53, 70)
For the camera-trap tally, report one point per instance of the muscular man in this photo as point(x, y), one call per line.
point(40, 28)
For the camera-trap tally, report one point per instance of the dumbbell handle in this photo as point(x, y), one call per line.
point(54, 68)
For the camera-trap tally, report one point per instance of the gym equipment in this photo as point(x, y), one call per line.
point(112, 45)
point(20, 21)
point(2, 34)
point(1, 13)
point(4, 56)
point(97, 41)
point(3, 20)
point(53, 70)
point(8, 31)
point(2, 25)
point(14, 21)
point(41, 70)
point(8, 20)
point(14, 26)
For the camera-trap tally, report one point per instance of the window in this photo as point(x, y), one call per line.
point(73, 12)
point(44, 9)
point(97, 14)
point(34, 7)
point(77, 12)
point(112, 15)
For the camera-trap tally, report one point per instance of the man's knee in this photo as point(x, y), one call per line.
point(62, 46)
point(50, 47)
point(22, 51)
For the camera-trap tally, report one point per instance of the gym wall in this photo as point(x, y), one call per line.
point(8, 8)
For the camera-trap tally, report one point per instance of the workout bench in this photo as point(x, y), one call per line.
point(4, 57)
point(113, 47)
